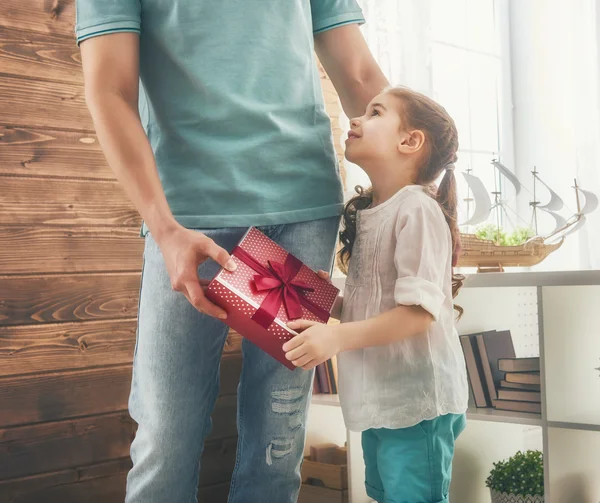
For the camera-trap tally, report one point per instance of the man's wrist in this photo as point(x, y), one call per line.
point(164, 228)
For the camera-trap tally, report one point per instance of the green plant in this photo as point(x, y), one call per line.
point(522, 474)
point(500, 236)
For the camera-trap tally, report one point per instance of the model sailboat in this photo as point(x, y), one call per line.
point(491, 254)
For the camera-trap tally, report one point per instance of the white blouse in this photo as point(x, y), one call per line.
point(402, 256)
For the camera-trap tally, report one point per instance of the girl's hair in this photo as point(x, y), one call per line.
point(441, 144)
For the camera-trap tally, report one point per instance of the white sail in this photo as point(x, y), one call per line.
point(483, 204)
point(559, 219)
point(509, 175)
point(591, 201)
point(555, 203)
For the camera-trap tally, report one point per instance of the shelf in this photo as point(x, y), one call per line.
point(331, 400)
point(541, 278)
point(483, 414)
point(573, 426)
point(503, 416)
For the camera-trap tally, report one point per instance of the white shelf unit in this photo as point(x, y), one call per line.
point(555, 315)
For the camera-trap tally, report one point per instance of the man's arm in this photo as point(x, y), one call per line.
point(111, 73)
point(351, 67)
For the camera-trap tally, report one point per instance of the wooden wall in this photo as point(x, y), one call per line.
point(70, 260)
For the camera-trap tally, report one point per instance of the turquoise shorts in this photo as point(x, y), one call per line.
point(412, 465)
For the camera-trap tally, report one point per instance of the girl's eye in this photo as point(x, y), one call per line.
point(375, 112)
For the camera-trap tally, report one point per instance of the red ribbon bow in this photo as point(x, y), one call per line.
point(279, 280)
point(283, 288)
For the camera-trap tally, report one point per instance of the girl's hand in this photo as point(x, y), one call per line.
point(315, 344)
point(324, 275)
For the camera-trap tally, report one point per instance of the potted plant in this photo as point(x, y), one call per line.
point(520, 479)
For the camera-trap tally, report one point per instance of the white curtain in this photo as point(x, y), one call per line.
point(556, 92)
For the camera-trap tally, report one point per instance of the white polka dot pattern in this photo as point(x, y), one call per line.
point(264, 249)
point(233, 301)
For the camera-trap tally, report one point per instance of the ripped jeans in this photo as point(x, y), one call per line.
point(176, 383)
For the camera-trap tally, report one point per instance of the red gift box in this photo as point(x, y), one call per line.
point(269, 288)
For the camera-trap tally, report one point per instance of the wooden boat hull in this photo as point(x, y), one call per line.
point(486, 254)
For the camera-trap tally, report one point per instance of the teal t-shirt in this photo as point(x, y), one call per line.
point(232, 104)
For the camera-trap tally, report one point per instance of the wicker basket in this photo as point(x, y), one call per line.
point(514, 498)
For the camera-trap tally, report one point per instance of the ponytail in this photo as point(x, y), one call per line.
point(446, 196)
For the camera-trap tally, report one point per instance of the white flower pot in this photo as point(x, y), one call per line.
point(514, 498)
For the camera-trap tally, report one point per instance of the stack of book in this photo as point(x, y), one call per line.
point(497, 377)
point(326, 378)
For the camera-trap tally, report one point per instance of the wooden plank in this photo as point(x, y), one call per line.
point(218, 461)
point(61, 395)
point(31, 250)
point(28, 450)
point(36, 152)
point(42, 299)
point(54, 396)
point(70, 346)
point(40, 105)
point(63, 346)
point(224, 418)
point(212, 494)
point(231, 369)
point(100, 490)
point(43, 16)
point(233, 345)
point(26, 201)
point(37, 484)
point(96, 490)
point(40, 56)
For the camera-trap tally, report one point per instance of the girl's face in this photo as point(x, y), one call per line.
point(375, 135)
point(380, 137)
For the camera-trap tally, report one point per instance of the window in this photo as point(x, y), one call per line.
point(470, 76)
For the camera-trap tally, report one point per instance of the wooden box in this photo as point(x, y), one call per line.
point(326, 480)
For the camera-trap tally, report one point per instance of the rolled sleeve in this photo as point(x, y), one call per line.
point(102, 17)
point(422, 258)
point(414, 291)
point(329, 14)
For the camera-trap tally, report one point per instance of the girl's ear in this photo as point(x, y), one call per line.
point(411, 141)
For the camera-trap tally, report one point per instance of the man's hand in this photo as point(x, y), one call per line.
point(183, 251)
point(317, 343)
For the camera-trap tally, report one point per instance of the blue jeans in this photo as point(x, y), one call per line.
point(176, 383)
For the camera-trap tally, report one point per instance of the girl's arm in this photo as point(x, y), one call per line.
point(317, 342)
point(392, 326)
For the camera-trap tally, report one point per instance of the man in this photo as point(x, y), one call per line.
point(233, 133)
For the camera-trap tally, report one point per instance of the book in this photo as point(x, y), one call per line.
point(519, 395)
point(523, 377)
point(516, 406)
point(321, 371)
point(518, 385)
point(331, 377)
point(492, 346)
point(474, 370)
point(519, 364)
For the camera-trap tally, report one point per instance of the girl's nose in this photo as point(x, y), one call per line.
point(355, 122)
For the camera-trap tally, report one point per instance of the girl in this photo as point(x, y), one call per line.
point(401, 368)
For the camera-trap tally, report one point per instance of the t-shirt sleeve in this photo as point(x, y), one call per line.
point(101, 17)
point(421, 258)
point(328, 14)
